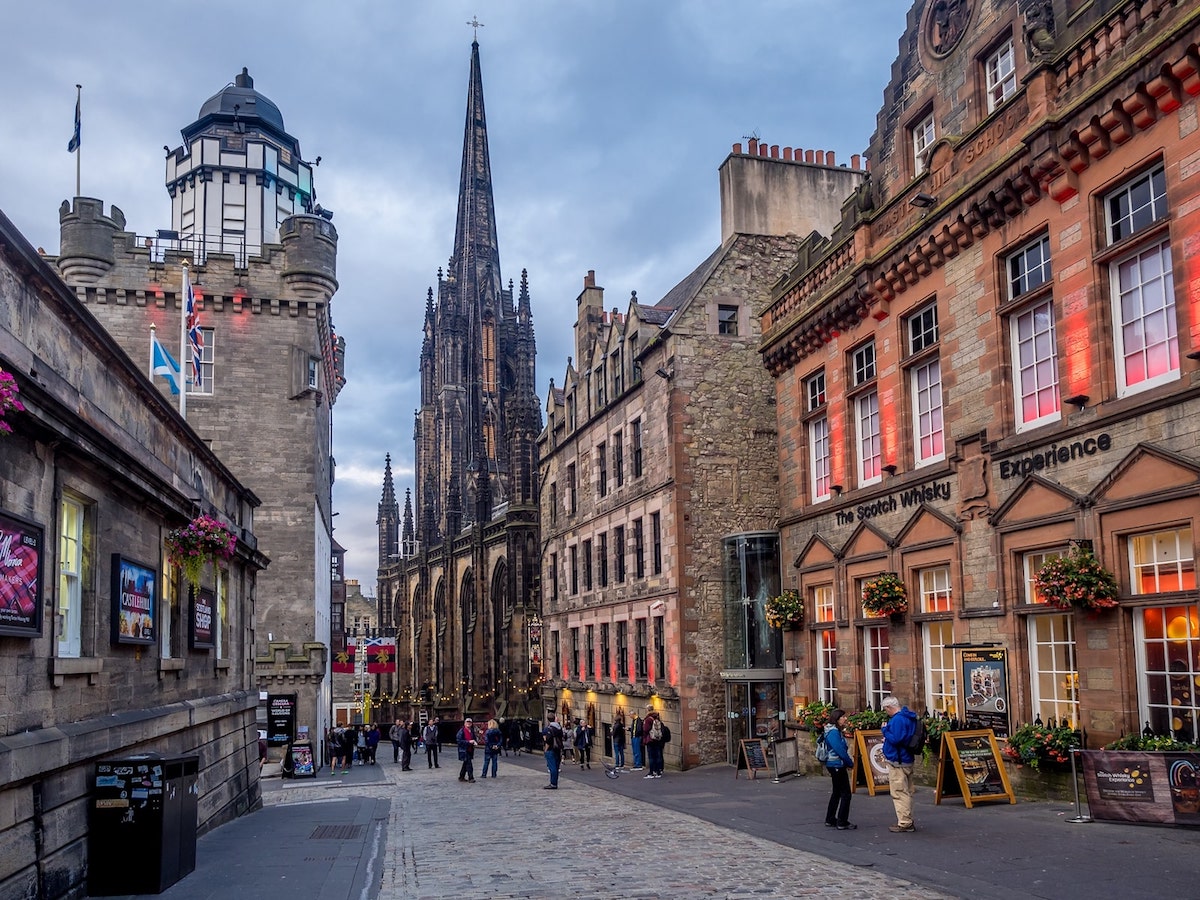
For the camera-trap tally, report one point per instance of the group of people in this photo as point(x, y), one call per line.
point(898, 731)
point(470, 737)
point(352, 743)
point(648, 735)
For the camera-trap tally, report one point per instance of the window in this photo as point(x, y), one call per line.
point(822, 603)
point(1168, 651)
point(222, 613)
point(1143, 288)
point(618, 372)
point(574, 554)
point(619, 554)
point(1162, 562)
point(618, 458)
point(1054, 679)
point(602, 559)
point(556, 649)
point(643, 662)
point(574, 652)
point(605, 655)
point(635, 364)
point(660, 650)
point(70, 578)
point(1000, 75)
point(827, 665)
point(602, 464)
point(587, 565)
point(1035, 364)
point(935, 590)
point(1029, 267)
point(571, 411)
point(818, 438)
point(1032, 564)
point(601, 383)
point(923, 136)
point(878, 664)
point(170, 601)
point(636, 425)
point(926, 386)
point(656, 543)
point(554, 577)
point(589, 654)
point(727, 320)
point(863, 363)
point(870, 449)
point(639, 550)
point(553, 503)
point(572, 492)
point(941, 685)
point(623, 650)
point(815, 391)
point(312, 373)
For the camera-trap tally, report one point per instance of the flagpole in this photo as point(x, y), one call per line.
point(78, 149)
point(151, 371)
point(184, 357)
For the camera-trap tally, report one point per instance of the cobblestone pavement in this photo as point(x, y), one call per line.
point(506, 837)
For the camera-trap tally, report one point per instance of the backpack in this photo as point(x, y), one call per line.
point(555, 739)
point(656, 731)
point(823, 753)
point(916, 743)
point(666, 735)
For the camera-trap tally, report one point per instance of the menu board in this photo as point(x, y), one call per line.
point(973, 769)
point(20, 577)
point(134, 592)
point(752, 757)
point(985, 683)
point(203, 621)
point(870, 766)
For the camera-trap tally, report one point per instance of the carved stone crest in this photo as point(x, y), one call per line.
point(945, 23)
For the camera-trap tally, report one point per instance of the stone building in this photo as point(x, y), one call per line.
point(993, 364)
point(101, 656)
point(461, 585)
point(349, 688)
point(263, 257)
point(659, 493)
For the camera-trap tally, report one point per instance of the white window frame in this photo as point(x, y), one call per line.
point(70, 578)
point(207, 365)
point(1000, 75)
point(929, 426)
point(1034, 348)
point(827, 665)
point(1031, 564)
point(822, 603)
point(924, 133)
point(820, 458)
point(1053, 668)
point(877, 664)
point(1149, 334)
point(941, 676)
point(1178, 640)
point(1156, 553)
point(937, 592)
point(868, 437)
point(313, 370)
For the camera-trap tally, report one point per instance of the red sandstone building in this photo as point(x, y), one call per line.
point(994, 358)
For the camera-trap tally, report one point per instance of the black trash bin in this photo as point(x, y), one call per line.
point(142, 824)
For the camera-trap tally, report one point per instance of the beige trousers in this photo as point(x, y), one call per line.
point(900, 784)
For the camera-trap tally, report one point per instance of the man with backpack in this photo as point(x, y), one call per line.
point(654, 735)
point(552, 741)
point(899, 733)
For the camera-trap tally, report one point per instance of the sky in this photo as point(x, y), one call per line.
point(607, 122)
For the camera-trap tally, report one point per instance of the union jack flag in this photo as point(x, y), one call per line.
point(194, 335)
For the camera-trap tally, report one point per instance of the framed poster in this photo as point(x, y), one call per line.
point(870, 766)
point(985, 682)
point(973, 769)
point(20, 576)
point(134, 602)
point(281, 719)
point(202, 620)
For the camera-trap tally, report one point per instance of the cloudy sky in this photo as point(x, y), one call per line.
point(608, 121)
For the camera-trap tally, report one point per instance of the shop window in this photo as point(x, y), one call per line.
point(941, 683)
point(935, 590)
point(1162, 562)
point(1169, 668)
point(1054, 678)
point(1000, 75)
point(878, 664)
point(827, 665)
point(822, 602)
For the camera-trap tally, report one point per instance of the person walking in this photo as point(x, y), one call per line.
point(394, 737)
point(839, 765)
point(552, 741)
point(430, 737)
point(583, 744)
point(493, 744)
point(897, 731)
point(349, 740)
point(336, 742)
point(360, 744)
point(373, 736)
point(653, 738)
point(635, 740)
point(406, 743)
point(618, 741)
point(466, 752)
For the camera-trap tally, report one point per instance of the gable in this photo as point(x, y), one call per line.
point(866, 540)
point(1146, 471)
point(927, 526)
point(816, 554)
point(1037, 498)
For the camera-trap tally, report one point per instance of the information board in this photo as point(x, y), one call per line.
point(870, 767)
point(985, 680)
point(752, 757)
point(973, 769)
point(281, 719)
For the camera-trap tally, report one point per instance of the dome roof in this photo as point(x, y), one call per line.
point(250, 104)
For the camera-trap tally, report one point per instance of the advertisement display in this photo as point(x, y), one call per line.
point(870, 766)
point(281, 719)
point(20, 577)
point(134, 606)
point(985, 682)
point(203, 620)
point(972, 769)
point(1152, 788)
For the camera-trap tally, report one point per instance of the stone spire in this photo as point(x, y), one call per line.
point(388, 518)
point(408, 534)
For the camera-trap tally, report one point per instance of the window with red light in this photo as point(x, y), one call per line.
point(925, 386)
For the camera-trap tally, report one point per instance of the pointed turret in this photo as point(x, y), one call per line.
point(408, 538)
point(388, 519)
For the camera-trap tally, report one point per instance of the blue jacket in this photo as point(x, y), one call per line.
point(896, 733)
point(839, 753)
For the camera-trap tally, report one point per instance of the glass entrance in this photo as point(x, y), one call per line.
point(752, 711)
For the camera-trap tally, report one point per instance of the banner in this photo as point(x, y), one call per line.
point(380, 655)
point(343, 660)
point(1130, 786)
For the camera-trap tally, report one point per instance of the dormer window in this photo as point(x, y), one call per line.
point(1000, 75)
point(923, 136)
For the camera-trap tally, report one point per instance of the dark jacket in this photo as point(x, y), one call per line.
point(373, 738)
point(493, 738)
point(404, 739)
point(897, 731)
point(466, 743)
point(839, 753)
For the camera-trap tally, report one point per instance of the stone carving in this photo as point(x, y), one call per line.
point(1039, 30)
point(973, 488)
point(946, 24)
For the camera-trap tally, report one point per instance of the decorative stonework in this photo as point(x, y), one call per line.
point(945, 23)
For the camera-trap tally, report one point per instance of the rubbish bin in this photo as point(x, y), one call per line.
point(142, 824)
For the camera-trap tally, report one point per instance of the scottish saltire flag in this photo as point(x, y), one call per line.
point(163, 363)
point(73, 144)
point(195, 337)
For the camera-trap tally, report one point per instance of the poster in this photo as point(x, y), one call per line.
point(281, 719)
point(20, 577)
point(985, 682)
point(203, 620)
point(870, 765)
point(134, 596)
point(302, 761)
point(1154, 788)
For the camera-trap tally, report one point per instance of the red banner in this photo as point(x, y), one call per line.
point(380, 655)
point(343, 660)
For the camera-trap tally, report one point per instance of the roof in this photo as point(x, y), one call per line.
point(241, 102)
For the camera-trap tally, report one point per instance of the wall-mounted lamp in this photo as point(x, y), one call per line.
point(663, 373)
point(837, 489)
point(890, 469)
point(923, 200)
point(1080, 400)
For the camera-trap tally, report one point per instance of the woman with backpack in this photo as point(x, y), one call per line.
point(654, 735)
point(839, 765)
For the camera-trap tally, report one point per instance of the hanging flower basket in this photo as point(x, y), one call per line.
point(1076, 581)
point(885, 595)
point(8, 400)
point(785, 611)
point(201, 541)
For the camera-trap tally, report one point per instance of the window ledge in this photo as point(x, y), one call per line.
point(223, 665)
point(62, 667)
point(166, 665)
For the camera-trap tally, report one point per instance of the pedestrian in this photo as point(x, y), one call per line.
point(654, 736)
point(466, 752)
point(373, 736)
point(552, 742)
point(839, 765)
point(348, 743)
point(897, 731)
point(262, 751)
point(618, 741)
point(394, 737)
point(360, 744)
point(635, 740)
point(406, 744)
point(583, 744)
point(493, 743)
point(430, 737)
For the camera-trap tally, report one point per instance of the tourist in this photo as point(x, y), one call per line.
point(897, 731)
point(430, 737)
point(394, 737)
point(635, 740)
point(583, 744)
point(618, 741)
point(372, 743)
point(552, 741)
point(839, 765)
point(406, 745)
point(466, 752)
point(654, 736)
point(493, 743)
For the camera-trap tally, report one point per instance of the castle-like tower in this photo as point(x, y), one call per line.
point(468, 552)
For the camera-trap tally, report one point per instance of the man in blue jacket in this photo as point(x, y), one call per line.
point(897, 731)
